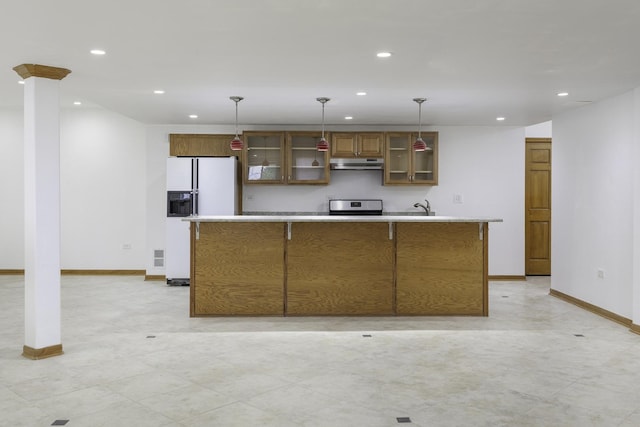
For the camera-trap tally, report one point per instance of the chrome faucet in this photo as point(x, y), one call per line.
point(426, 208)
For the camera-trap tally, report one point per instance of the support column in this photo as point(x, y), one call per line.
point(635, 326)
point(42, 336)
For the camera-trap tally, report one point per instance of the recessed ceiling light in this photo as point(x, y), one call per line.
point(383, 54)
point(97, 52)
point(563, 93)
point(20, 82)
point(77, 103)
point(158, 91)
point(193, 116)
point(348, 118)
point(361, 93)
point(499, 119)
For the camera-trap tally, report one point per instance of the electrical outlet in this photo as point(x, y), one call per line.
point(457, 198)
point(126, 246)
point(600, 273)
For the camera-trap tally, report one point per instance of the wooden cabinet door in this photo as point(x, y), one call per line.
point(339, 269)
point(237, 268)
point(264, 158)
point(370, 145)
point(441, 268)
point(397, 161)
point(200, 145)
point(344, 145)
point(424, 164)
point(305, 164)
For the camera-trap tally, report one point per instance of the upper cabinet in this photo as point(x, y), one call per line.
point(357, 144)
point(264, 157)
point(284, 158)
point(194, 145)
point(403, 166)
point(305, 164)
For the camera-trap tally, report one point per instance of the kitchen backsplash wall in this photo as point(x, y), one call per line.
point(344, 184)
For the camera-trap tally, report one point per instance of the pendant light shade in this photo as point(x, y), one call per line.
point(419, 144)
point(322, 144)
point(236, 143)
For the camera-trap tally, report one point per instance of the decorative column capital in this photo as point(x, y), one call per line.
point(36, 70)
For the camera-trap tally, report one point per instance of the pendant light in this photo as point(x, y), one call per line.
point(322, 145)
point(236, 143)
point(419, 144)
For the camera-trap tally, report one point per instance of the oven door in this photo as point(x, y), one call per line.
point(179, 203)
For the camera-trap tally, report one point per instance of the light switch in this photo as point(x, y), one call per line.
point(457, 198)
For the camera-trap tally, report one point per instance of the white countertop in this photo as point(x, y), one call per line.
point(337, 218)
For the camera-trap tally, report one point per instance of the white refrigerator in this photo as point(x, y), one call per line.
point(195, 186)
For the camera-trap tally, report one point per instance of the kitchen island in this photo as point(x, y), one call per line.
point(291, 265)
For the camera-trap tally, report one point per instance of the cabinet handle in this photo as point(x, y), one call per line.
point(289, 230)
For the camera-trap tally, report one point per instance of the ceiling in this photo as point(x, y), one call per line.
point(474, 60)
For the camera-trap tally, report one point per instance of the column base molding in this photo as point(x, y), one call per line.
point(42, 353)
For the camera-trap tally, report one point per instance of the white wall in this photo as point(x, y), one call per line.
point(483, 164)
point(541, 130)
point(12, 189)
point(593, 202)
point(102, 179)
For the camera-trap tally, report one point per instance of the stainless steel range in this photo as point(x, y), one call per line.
point(355, 207)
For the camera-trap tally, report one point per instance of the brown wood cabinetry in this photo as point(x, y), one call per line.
point(357, 144)
point(339, 269)
point(200, 145)
point(264, 158)
point(441, 269)
point(403, 166)
point(237, 269)
point(284, 158)
point(305, 164)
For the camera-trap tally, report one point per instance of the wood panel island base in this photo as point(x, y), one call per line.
point(339, 266)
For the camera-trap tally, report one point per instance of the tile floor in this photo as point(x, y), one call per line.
point(133, 357)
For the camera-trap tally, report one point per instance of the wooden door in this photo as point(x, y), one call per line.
point(538, 207)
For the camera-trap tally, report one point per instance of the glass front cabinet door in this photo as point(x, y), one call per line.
point(264, 161)
point(407, 167)
point(306, 165)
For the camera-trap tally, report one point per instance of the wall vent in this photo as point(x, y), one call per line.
point(158, 257)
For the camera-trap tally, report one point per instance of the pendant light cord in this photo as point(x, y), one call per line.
point(420, 120)
point(236, 118)
point(323, 120)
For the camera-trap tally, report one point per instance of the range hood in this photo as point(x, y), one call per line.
point(356, 164)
